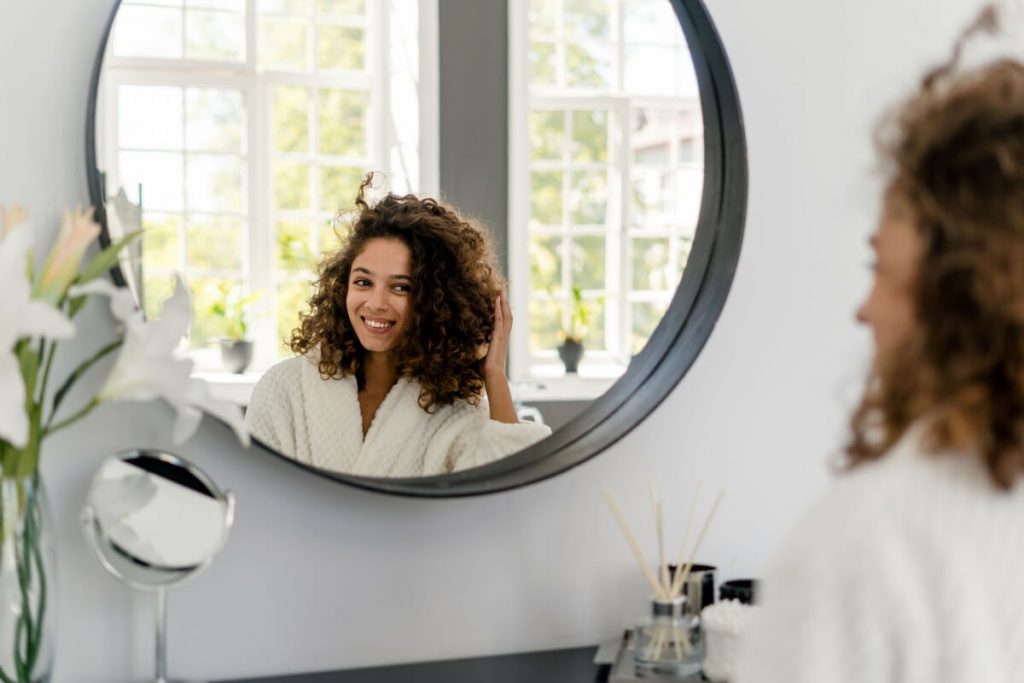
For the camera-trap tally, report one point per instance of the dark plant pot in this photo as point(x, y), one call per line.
point(235, 354)
point(571, 352)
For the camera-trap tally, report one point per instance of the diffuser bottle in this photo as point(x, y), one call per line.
point(667, 643)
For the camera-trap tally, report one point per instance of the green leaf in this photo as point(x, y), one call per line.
point(76, 305)
point(58, 398)
point(106, 259)
point(29, 360)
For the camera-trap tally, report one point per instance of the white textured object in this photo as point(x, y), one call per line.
point(911, 570)
point(317, 421)
point(723, 624)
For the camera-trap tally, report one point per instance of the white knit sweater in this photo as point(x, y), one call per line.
point(318, 421)
point(911, 570)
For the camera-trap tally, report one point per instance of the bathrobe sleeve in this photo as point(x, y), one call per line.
point(470, 438)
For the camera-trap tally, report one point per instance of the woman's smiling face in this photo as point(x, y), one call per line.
point(379, 294)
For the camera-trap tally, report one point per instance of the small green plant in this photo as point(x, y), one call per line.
point(234, 308)
point(579, 318)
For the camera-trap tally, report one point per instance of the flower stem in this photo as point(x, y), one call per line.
point(86, 409)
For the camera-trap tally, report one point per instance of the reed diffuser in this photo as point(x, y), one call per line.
point(667, 643)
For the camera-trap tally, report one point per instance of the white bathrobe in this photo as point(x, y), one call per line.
point(318, 422)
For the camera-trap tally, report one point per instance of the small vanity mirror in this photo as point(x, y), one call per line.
point(154, 520)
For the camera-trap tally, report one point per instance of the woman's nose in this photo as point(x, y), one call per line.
point(378, 299)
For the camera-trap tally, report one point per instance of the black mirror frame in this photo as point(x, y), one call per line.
point(673, 346)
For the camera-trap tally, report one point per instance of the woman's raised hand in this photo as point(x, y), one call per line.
point(497, 350)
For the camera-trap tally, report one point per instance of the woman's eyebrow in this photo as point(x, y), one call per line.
point(360, 269)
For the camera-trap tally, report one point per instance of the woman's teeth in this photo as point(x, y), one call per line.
point(378, 324)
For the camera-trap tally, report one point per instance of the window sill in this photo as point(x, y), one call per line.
point(237, 388)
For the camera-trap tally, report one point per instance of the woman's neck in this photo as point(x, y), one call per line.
point(380, 373)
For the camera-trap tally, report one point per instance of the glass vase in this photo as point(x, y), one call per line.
point(27, 582)
point(666, 643)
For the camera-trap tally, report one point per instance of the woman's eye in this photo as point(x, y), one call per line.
point(361, 282)
point(405, 289)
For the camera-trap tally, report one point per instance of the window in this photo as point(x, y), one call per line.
point(607, 173)
point(244, 126)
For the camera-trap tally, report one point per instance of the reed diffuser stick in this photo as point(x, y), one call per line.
point(681, 576)
point(613, 505)
point(663, 578)
point(686, 535)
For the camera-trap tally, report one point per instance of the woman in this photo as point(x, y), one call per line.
point(408, 328)
point(912, 569)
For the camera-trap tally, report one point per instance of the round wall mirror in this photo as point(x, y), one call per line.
point(598, 142)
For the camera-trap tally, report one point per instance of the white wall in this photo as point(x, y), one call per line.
point(317, 577)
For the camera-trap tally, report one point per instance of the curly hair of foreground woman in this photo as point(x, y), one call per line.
point(954, 160)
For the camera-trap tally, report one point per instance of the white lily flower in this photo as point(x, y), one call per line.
point(20, 317)
point(148, 366)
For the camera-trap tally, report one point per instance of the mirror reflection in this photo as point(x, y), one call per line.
point(235, 145)
point(153, 520)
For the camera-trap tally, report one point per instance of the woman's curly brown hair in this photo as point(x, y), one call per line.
point(954, 156)
point(455, 281)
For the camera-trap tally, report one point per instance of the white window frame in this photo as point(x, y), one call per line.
point(523, 99)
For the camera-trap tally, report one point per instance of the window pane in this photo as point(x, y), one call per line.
point(149, 117)
point(148, 32)
point(652, 136)
point(215, 242)
point(342, 117)
point(291, 185)
point(590, 135)
point(689, 190)
point(346, 8)
point(296, 6)
point(547, 134)
point(545, 325)
point(649, 200)
point(164, 3)
point(215, 35)
point(293, 242)
point(155, 290)
point(543, 71)
point(292, 296)
point(651, 21)
point(283, 44)
point(646, 316)
point(588, 197)
point(546, 197)
point(543, 17)
point(588, 259)
point(328, 239)
point(340, 47)
point(588, 66)
point(588, 18)
point(160, 241)
point(159, 173)
point(291, 119)
point(652, 268)
point(215, 183)
point(339, 186)
point(230, 5)
point(686, 77)
point(214, 120)
point(545, 263)
point(595, 339)
point(647, 68)
point(208, 293)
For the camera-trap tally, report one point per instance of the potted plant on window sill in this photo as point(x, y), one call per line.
point(571, 348)
point(235, 310)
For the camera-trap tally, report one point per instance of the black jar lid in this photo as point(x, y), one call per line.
point(744, 590)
